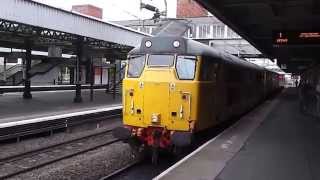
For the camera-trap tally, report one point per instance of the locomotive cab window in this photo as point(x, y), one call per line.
point(135, 66)
point(186, 67)
point(160, 60)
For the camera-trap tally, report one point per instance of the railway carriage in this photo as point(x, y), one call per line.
point(175, 87)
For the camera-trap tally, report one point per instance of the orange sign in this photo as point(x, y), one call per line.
point(296, 38)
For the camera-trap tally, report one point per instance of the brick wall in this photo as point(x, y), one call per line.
point(190, 8)
point(88, 10)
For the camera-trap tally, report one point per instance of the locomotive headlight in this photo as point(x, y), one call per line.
point(176, 44)
point(148, 44)
point(155, 118)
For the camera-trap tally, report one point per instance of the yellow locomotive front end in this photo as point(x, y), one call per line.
point(155, 101)
point(160, 93)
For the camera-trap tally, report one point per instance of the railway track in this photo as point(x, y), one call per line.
point(51, 123)
point(120, 171)
point(144, 170)
point(25, 162)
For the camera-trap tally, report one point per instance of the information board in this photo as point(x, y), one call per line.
point(296, 37)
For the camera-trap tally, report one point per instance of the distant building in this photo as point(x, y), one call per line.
point(208, 27)
point(204, 28)
point(88, 10)
point(190, 8)
point(208, 30)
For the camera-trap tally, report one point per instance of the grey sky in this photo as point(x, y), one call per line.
point(117, 9)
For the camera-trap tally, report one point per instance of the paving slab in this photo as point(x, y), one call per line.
point(14, 108)
point(285, 146)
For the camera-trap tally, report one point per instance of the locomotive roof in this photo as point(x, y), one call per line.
point(164, 45)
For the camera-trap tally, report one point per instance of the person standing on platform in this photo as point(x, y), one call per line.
point(296, 82)
point(317, 93)
point(306, 101)
point(302, 95)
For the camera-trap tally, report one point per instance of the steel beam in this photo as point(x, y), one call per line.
point(39, 15)
point(47, 36)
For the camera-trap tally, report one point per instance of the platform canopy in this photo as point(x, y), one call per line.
point(288, 30)
point(46, 25)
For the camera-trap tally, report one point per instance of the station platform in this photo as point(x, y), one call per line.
point(274, 141)
point(51, 103)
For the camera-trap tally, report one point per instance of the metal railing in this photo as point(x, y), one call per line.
point(11, 71)
point(115, 85)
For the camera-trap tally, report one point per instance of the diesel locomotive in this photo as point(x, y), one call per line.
point(175, 87)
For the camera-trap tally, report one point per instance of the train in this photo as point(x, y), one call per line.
point(176, 87)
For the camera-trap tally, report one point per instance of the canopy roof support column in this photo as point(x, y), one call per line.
point(5, 69)
point(27, 66)
point(78, 98)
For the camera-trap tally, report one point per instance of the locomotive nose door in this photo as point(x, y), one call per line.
point(156, 91)
point(180, 107)
point(156, 103)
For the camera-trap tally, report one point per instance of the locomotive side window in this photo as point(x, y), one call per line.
point(135, 66)
point(186, 67)
point(209, 69)
point(234, 75)
point(160, 60)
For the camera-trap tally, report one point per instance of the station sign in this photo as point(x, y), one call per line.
point(296, 37)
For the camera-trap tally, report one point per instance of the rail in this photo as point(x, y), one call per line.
point(18, 164)
point(120, 171)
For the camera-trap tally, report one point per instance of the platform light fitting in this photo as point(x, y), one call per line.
point(176, 44)
point(148, 44)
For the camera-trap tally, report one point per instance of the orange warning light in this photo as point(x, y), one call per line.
point(282, 40)
point(309, 35)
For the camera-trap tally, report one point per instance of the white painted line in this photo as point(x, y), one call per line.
point(53, 91)
point(49, 118)
point(192, 153)
point(83, 85)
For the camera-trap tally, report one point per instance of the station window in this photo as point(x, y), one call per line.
point(204, 31)
point(193, 30)
point(218, 31)
point(135, 66)
point(160, 60)
point(186, 67)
